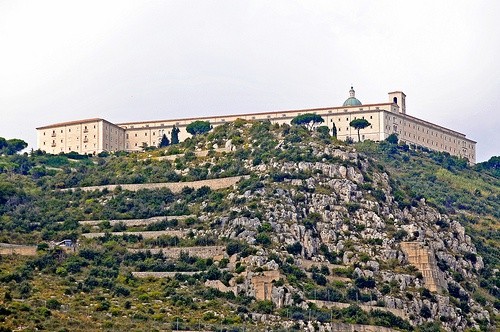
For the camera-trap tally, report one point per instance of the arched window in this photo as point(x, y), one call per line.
point(395, 100)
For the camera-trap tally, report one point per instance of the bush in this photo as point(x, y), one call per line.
point(294, 249)
point(362, 282)
point(425, 312)
point(53, 304)
point(263, 307)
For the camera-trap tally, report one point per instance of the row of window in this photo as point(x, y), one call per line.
point(446, 138)
point(431, 132)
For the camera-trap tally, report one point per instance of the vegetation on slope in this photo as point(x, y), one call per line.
point(60, 290)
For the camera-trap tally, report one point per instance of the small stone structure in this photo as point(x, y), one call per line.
point(263, 284)
point(422, 257)
point(215, 252)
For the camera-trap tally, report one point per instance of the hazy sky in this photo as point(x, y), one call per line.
point(145, 60)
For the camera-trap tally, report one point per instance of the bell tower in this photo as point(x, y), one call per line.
point(398, 98)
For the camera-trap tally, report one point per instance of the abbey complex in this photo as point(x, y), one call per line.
point(92, 136)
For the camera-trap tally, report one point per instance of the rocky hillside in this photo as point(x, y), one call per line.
point(251, 227)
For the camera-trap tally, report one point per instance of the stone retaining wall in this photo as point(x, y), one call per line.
point(145, 234)
point(215, 252)
point(161, 274)
point(15, 249)
point(330, 304)
point(202, 153)
point(307, 264)
point(217, 284)
point(341, 327)
point(175, 187)
point(134, 222)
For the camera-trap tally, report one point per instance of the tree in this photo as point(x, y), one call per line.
point(3, 143)
point(309, 120)
point(198, 127)
point(392, 138)
point(164, 141)
point(359, 124)
point(175, 135)
point(12, 146)
point(324, 132)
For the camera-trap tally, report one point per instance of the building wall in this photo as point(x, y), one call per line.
point(415, 131)
point(84, 137)
point(96, 135)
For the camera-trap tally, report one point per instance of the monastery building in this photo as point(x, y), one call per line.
point(92, 136)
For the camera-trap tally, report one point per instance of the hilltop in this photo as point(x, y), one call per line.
point(250, 227)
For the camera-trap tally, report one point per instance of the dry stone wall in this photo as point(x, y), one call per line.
point(133, 222)
point(160, 274)
point(175, 187)
point(14, 249)
point(341, 305)
point(215, 252)
point(145, 235)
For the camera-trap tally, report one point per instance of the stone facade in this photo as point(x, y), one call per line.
point(96, 135)
point(422, 257)
point(89, 136)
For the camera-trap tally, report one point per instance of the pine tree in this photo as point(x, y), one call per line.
point(164, 142)
point(175, 135)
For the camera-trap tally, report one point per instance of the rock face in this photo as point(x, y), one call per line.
point(344, 213)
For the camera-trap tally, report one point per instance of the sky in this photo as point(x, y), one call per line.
point(149, 60)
